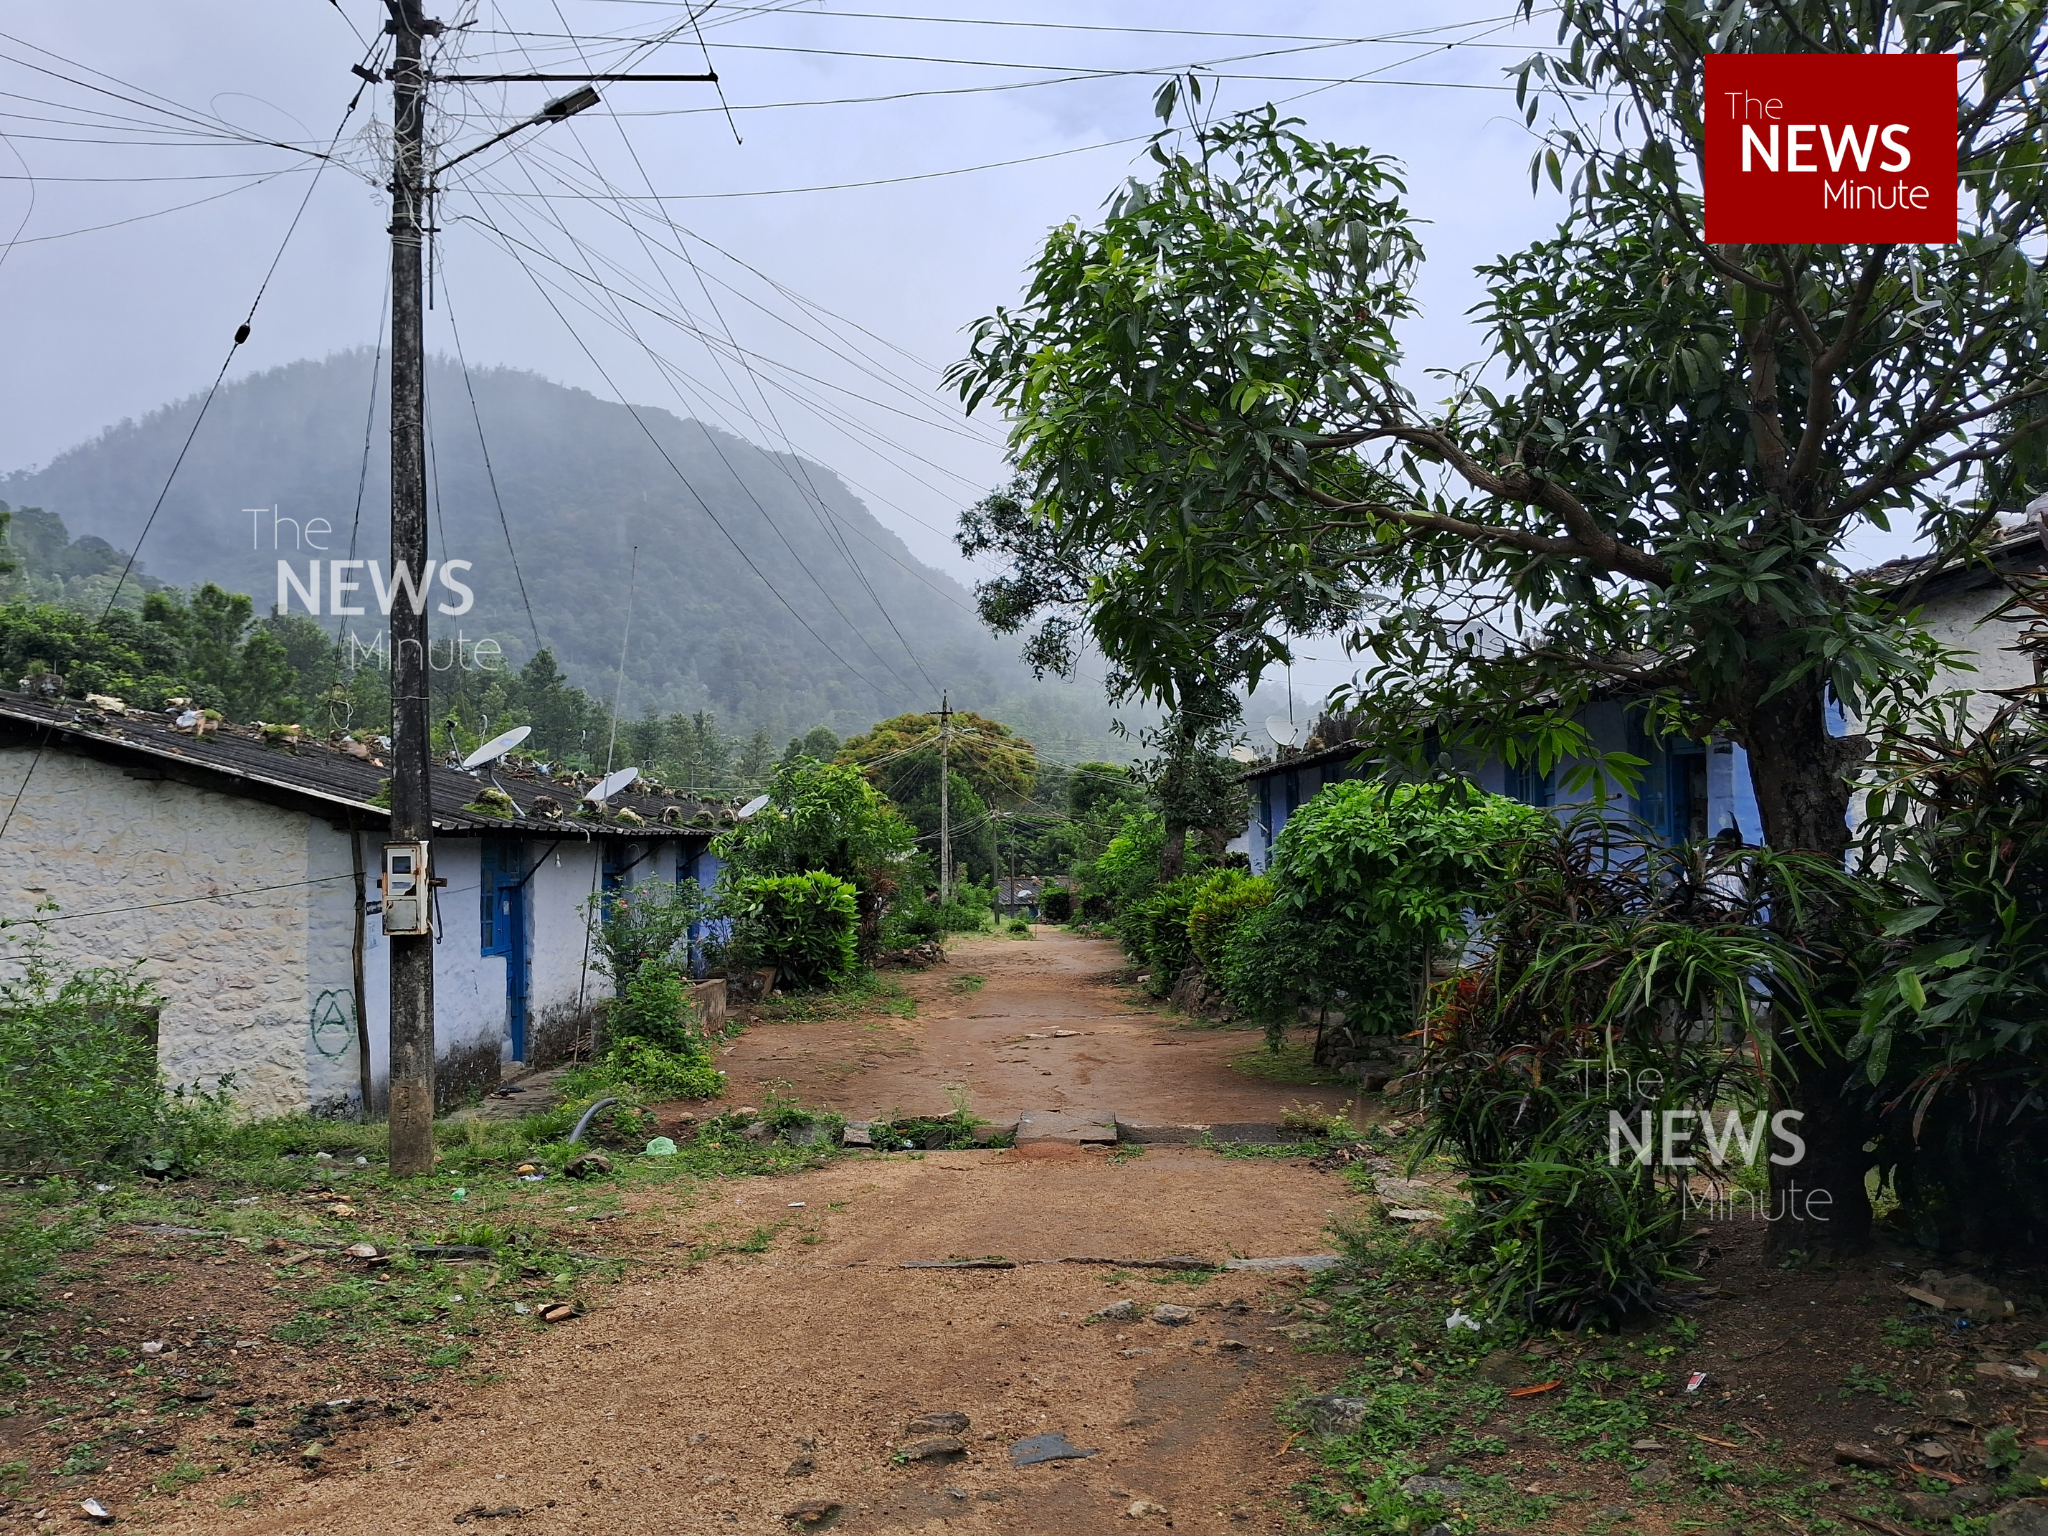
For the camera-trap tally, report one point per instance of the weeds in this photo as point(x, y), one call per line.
point(864, 993)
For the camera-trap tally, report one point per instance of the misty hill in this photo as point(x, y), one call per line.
point(581, 486)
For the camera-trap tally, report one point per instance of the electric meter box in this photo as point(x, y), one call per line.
point(408, 904)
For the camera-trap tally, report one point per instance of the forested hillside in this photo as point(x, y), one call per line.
point(762, 588)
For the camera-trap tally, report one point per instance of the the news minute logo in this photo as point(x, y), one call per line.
point(1830, 149)
point(344, 588)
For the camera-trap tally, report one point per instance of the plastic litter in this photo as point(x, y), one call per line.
point(458, 1194)
point(1460, 1318)
point(661, 1146)
point(1695, 1381)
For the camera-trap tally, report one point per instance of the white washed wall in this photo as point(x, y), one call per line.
point(233, 971)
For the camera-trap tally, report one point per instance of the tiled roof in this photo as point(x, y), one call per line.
point(2015, 546)
point(326, 777)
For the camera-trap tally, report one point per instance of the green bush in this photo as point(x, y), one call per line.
point(1225, 900)
point(656, 1007)
point(80, 1089)
point(823, 817)
point(648, 922)
point(806, 926)
point(1368, 880)
point(1155, 931)
point(663, 1073)
point(1057, 907)
point(1124, 873)
point(1953, 1041)
point(1611, 992)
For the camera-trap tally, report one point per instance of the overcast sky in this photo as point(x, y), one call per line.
point(748, 284)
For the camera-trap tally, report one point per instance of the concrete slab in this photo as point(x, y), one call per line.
point(1071, 1127)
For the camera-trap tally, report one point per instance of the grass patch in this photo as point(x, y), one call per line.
point(865, 993)
point(972, 981)
point(1294, 1063)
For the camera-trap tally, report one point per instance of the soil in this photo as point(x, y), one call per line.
point(1129, 1054)
point(728, 1393)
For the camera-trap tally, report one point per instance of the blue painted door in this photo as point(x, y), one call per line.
point(503, 898)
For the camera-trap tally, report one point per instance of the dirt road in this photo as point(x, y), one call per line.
point(722, 1396)
point(1124, 1053)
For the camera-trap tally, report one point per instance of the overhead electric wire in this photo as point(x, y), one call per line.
point(719, 449)
point(716, 522)
point(241, 335)
point(825, 518)
point(484, 447)
point(369, 426)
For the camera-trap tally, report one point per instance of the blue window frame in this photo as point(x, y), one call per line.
point(1531, 786)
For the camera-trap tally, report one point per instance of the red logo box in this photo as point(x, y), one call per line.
point(1831, 148)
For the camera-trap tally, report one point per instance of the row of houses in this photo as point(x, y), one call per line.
point(239, 874)
point(1694, 790)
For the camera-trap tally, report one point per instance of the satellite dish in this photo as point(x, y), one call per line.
point(497, 747)
point(610, 785)
point(753, 807)
point(1284, 732)
point(1243, 754)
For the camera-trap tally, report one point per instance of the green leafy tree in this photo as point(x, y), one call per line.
point(828, 817)
point(1653, 485)
point(901, 756)
point(818, 743)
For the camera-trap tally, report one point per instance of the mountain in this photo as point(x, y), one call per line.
point(762, 588)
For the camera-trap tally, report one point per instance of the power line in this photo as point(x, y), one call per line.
point(719, 449)
point(484, 447)
point(716, 522)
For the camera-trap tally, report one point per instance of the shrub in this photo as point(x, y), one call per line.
point(1124, 873)
point(1618, 972)
point(803, 925)
point(1954, 1036)
point(1225, 899)
point(824, 817)
point(1057, 907)
point(663, 1073)
point(656, 1007)
point(1155, 931)
point(1369, 880)
point(648, 922)
point(80, 1089)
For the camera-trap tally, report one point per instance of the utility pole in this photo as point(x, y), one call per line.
point(409, 855)
point(945, 799)
point(412, 812)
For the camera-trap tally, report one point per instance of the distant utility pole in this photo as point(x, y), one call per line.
point(945, 799)
point(412, 812)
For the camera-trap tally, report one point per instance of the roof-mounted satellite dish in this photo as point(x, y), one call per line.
point(753, 807)
point(610, 785)
point(1243, 754)
point(1284, 732)
point(497, 747)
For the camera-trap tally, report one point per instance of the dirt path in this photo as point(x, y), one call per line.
point(719, 1397)
point(1126, 1054)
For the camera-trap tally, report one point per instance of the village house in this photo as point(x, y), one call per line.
point(1691, 791)
point(239, 871)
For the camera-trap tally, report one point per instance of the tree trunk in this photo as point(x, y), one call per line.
point(1820, 1203)
point(1173, 853)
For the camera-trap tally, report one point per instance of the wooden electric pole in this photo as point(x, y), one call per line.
point(412, 812)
